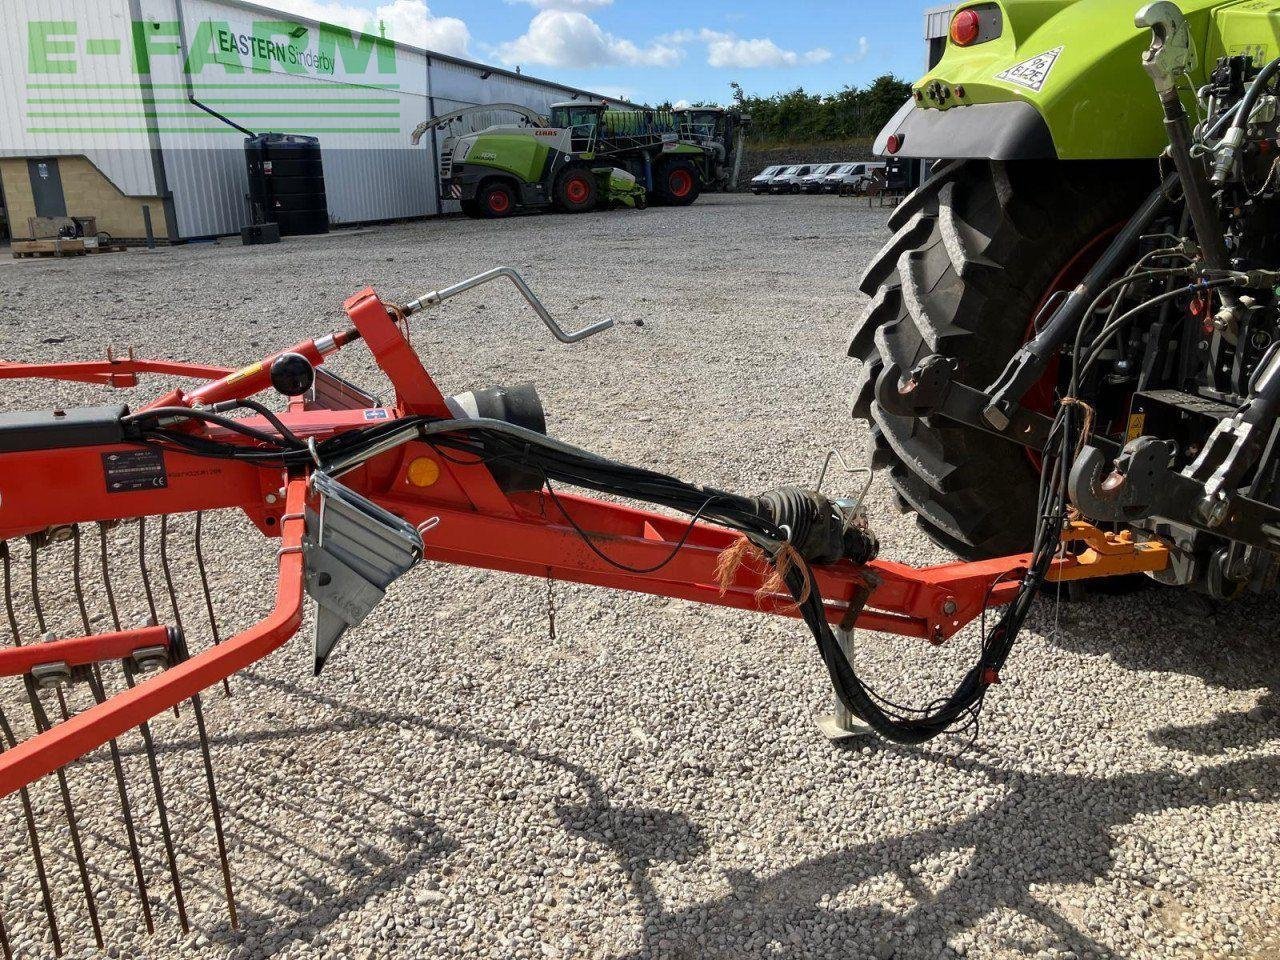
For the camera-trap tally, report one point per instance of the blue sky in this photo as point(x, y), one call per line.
point(652, 51)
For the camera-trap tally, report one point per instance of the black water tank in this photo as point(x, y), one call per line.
point(286, 182)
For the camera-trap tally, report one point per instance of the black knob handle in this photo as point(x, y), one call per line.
point(292, 374)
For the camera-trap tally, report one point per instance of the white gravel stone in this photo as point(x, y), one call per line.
point(649, 784)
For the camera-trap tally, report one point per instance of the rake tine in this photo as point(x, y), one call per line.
point(208, 596)
point(75, 579)
point(168, 574)
point(210, 780)
point(34, 836)
point(99, 696)
point(8, 594)
point(42, 724)
point(217, 811)
point(40, 621)
point(162, 809)
point(4, 942)
point(106, 577)
point(146, 576)
point(35, 586)
point(142, 568)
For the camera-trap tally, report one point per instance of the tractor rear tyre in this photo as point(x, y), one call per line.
point(497, 200)
point(678, 183)
point(471, 208)
point(576, 191)
point(977, 250)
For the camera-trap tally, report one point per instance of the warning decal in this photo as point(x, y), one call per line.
point(1032, 73)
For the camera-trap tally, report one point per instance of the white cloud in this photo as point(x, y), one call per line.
point(727, 50)
point(864, 48)
point(680, 105)
point(408, 21)
point(612, 93)
point(569, 38)
point(565, 4)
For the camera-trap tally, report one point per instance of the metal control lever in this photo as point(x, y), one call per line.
point(437, 297)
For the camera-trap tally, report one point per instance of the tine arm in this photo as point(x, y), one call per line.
point(54, 748)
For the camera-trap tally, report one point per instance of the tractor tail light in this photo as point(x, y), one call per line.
point(965, 28)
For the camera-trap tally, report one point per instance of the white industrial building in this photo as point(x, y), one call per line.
point(97, 118)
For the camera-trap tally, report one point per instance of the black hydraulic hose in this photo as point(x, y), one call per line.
point(1253, 94)
point(185, 413)
point(1111, 328)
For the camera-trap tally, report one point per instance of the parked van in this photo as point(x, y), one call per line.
point(760, 182)
point(813, 182)
point(859, 178)
point(788, 181)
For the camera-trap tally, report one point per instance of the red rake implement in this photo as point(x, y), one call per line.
point(103, 515)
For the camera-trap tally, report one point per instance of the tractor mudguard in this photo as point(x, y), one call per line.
point(1060, 78)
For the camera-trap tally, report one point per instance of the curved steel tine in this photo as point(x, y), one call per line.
point(162, 809)
point(99, 696)
point(106, 577)
point(167, 573)
point(42, 724)
point(76, 585)
point(36, 605)
point(146, 574)
point(33, 835)
point(218, 833)
point(197, 708)
point(208, 595)
point(5, 561)
point(42, 626)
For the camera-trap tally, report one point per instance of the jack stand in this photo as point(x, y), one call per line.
point(842, 725)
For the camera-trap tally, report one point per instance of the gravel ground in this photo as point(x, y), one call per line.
point(649, 783)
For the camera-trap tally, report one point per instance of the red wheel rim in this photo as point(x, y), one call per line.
point(577, 190)
point(499, 202)
point(1043, 395)
point(680, 182)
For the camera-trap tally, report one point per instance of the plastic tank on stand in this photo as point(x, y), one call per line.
point(286, 182)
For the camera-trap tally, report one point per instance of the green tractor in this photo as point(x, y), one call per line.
point(1095, 256)
point(583, 157)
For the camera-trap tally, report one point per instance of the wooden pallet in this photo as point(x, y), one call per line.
point(28, 249)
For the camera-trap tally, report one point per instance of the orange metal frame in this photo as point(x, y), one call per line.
point(468, 518)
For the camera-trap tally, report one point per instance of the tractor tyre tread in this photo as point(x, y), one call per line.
point(973, 251)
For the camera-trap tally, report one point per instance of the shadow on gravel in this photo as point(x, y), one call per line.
point(1230, 646)
point(1008, 850)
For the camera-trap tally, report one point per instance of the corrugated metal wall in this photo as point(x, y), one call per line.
point(363, 121)
point(937, 22)
point(46, 110)
point(362, 108)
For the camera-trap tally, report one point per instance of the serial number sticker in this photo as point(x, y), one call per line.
point(130, 470)
point(1032, 73)
point(377, 414)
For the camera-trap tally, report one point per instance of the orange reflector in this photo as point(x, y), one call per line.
point(424, 472)
point(965, 28)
